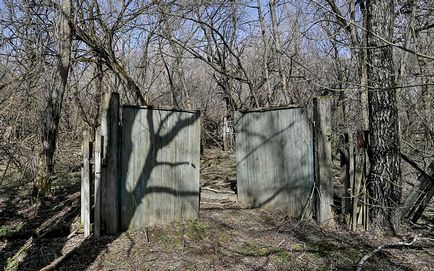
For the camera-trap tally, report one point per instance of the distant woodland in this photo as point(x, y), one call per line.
point(374, 57)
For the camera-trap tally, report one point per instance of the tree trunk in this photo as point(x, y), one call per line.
point(265, 55)
point(384, 184)
point(278, 51)
point(54, 93)
point(427, 100)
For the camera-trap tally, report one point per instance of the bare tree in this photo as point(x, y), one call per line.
point(384, 183)
point(54, 93)
point(98, 32)
point(277, 50)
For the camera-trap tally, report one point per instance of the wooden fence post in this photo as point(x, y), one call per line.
point(357, 190)
point(360, 208)
point(85, 184)
point(97, 196)
point(347, 173)
point(105, 104)
point(323, 160)
point(110, 215)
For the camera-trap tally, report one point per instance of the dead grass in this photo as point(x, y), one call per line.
point(239, 240)
point(225, 236)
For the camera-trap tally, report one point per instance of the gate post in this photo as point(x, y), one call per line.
point(86, 172)
point(97, 190)
point(110, 187)
point(323, 160)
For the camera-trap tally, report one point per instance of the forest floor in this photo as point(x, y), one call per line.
point(226, 236)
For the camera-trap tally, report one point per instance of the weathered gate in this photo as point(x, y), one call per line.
point(160, 156)
point(146, 167)
point(275, 161)
point(147, 164)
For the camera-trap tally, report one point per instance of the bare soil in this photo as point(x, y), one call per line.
point(226, 236)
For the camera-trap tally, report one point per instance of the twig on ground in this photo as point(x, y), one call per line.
point(280, 243)
point(146, 234)
point(362, 261)
point(217, 191)
point(308, 202)
point(57, 261)
point(72, 234)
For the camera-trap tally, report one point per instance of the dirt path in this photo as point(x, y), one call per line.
point(226, 236)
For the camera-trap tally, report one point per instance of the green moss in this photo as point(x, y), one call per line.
point(282, 256)
point(196, 230)
point(323, 249)
point(12, 264)
point(354, 254)
point(221, 236)
point(298, 246)
point(169, 240)
point(248, 249)
point(6, 232)
point(337, 253)
point(256, 249)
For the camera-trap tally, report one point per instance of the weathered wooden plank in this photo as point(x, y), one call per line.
point(360, 208)
point(429, 193)
point(161, 108)
point(351, 171)
point(82, 177)
point(224, 133)
point(267, 109)
point(347, 173)
point(357, 188)
point(85, 184)
point(160, 166)
point(366, 206)
point(111, 172)
point(190, 201)
point(345, 180)
point(420, 195)
point(416, 166)
point(105, 104)
point(324, 201)
point(274, 153)
point(97, 189)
